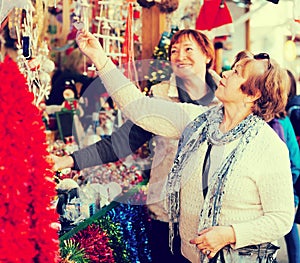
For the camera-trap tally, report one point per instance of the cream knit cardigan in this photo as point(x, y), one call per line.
point(258, 200)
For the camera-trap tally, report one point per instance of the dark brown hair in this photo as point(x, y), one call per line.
point(293, 85)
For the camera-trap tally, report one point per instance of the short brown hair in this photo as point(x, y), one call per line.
point(242, 54)
point(273, 85)
point(203, 41)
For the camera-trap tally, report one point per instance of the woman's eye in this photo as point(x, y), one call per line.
point(189, 49)
point(173, 51)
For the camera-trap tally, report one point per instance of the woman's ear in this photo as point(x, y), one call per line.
point(255, 97)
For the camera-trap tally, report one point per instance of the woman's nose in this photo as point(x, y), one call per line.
point(181, 54)
point(224, 74)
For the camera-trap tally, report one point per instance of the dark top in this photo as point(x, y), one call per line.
point(58, 85)
point(129, 137)
point(277, 127)
point(91, 90)
point(293, 110)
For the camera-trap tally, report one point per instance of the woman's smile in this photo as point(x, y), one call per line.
point(183, 65)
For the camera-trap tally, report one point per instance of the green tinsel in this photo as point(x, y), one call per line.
point(160, 63)
point(70, 252)
point(116, 240)
point(160, 70)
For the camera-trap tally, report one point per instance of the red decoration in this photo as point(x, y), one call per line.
point(128, 47)
point(94, 241)
point(26, 189)
point(34, 64)
point(136, 14)
point(69, 50)
point(215, 15)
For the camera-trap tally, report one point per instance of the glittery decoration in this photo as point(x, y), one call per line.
point(119, 231)
point(94, 241)
point(135, 224)
point(125, 176)
point(160, 67)
point(71, 252)
point(115, 233)
point(26, 188)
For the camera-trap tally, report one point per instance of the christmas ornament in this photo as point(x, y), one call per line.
point(215, 17)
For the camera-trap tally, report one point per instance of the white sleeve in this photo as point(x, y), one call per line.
point(153, 114)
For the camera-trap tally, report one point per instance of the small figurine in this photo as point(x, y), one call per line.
point(71, 101)
point(45, 116)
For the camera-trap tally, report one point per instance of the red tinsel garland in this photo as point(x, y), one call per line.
point(94, 241)
point(26, 189)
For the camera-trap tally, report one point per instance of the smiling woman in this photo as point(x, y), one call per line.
point(189, 44)
point(239, 211)
point(191, 54)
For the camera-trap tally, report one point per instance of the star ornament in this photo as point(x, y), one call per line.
point(7, 5)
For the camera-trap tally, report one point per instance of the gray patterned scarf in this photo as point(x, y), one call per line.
point(206, 128)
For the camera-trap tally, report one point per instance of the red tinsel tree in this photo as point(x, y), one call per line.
point(26, 190)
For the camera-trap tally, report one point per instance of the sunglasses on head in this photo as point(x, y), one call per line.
point(263, 56)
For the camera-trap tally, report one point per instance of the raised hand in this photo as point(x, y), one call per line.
point(91, 47)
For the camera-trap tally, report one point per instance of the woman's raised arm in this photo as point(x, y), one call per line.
point(155, 115)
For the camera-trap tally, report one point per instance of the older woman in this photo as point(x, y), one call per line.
point(189, 47)
point(248, 203)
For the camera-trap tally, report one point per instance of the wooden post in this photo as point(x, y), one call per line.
point(247, 32)
point(218, 57)
point(153, 24)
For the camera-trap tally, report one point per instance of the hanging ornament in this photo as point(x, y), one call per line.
point(294, 27)
point(48, 65)
point(128, 48)
point(146, 3)
point(33, 63)
point(290, 50)
point(44, 78)
point(14, 22)
point(167, 6)
point(296, 11)
point(215, 16)
point(26, 46)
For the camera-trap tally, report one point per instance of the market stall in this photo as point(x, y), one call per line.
point(97, 214)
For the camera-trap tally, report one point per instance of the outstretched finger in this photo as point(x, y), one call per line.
point(211, 254)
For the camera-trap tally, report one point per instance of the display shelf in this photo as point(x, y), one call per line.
point(119, 230)
point(124, 198)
